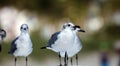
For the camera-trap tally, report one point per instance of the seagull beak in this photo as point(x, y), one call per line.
point(81, 30)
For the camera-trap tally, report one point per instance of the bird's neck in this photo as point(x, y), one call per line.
point(75, 32)
point(67, 30)
point(25, 34)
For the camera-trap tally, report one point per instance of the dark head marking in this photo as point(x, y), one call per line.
point(24, 27)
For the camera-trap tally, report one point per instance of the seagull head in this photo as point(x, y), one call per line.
point(24, 28)
point(2, 33)
point(78, 29)
point(68, 25)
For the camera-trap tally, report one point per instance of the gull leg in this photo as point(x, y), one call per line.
point(66, 59)
point(60, 59)
point(77, 59)
point(26, 61)
point(71, 62)
point(15, 61)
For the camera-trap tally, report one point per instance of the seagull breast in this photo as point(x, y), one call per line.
point(24, 45)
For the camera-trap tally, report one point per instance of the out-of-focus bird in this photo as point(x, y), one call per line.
point(2, 36)
point(22, 45)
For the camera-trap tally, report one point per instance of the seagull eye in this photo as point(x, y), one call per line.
point(68, 24)
point(21, 27)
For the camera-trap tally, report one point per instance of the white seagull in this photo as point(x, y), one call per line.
point(61, 41)
point(77, 45)
point(2, 36)
point(22, 45)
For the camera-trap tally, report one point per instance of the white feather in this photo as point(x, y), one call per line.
point(24, 45)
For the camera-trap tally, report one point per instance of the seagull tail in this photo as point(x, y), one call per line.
point(0, 47)
point(43, 47)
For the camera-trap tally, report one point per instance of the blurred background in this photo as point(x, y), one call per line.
point(99, 18)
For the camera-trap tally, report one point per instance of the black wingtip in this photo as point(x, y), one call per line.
point(9, 52)
point(43, 48)
point(0, 48)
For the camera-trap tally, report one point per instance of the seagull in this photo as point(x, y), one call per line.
point(2, 36)
point(61, 41)
point(77, 45)
point(22, 45)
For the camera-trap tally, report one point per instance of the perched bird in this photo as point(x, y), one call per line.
point(62, 41)
point(22, 45)
point(73, 48)
point(2, 36)
point(77, 45)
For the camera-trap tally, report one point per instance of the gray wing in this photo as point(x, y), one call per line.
point(53, 38)
point(13, 46)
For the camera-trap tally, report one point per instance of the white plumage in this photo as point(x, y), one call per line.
point(77, 45)
point(65, 40)
point(62, 41)
point(22, 45)
point(68, 41)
